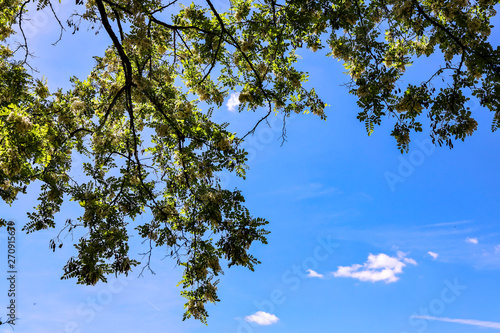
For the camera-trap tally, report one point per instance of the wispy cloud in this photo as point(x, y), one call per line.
point(313, 274)
point(434, 255)
point(380, 267)
point(308, 191)
point(154, 306)
point(447, 224)
point(233, 102)
point(497, 249)
point(448, 242)
point(471, 240)
point(262, 318)
point(473, 322)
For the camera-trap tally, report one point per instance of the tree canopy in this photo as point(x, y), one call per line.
point(149, 144)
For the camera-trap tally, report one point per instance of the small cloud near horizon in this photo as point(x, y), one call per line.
point(380, 267)
point(262, 318)
point(471, 240)
point(434, 255)
point(313, 274)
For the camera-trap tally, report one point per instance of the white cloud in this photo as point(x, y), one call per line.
point(434, 255)
point(380, 267)
point(410, 261)
point(311, 273)
point(262, 318)
point(497, 249)
point(233, 102)
point(471, 240)
point(490, 324)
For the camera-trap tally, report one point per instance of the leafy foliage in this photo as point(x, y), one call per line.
point(148, 147)
point(378, 40)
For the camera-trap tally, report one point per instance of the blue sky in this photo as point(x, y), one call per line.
point(362, 238)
